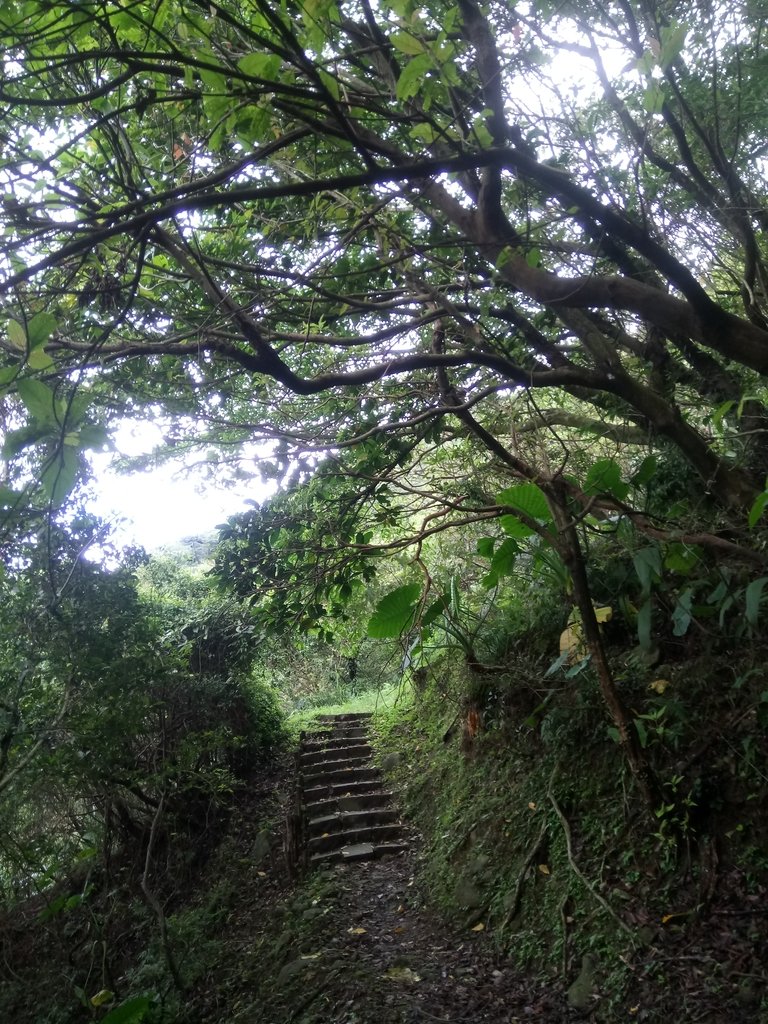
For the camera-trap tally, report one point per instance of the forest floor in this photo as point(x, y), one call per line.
point(355, 944)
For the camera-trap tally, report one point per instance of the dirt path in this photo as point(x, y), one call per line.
point(371, 954)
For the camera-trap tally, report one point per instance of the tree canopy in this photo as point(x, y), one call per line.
point(321, 223)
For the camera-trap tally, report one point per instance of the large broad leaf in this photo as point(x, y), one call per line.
point(39, 400)
point(514, 527)
point(395, 612)
point(646, 471)
point(131, 1012)
point(604, 477)
point(485, 546)
point(58, 477)
point(260, 65)
point(412, 76)
point(529, 498)
point(647, 563)
point(758, 507)
point(753, 596)
point(40, 328)
point(682, 615)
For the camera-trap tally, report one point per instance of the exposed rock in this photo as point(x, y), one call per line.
point(467, 894)
point(262, 847)
point(579, 995)
point(391, 761)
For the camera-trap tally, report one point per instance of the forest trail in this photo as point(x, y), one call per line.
point(371, 953)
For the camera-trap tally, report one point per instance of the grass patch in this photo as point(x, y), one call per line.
point(376, 701)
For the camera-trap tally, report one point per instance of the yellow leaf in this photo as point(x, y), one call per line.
point(105, 996)
point(402, 974)
point(544, 869)
point(604, 614)
point(356, 931)
point(531, 806)
point(659, 685)
point(572, 642)
point(478, 927)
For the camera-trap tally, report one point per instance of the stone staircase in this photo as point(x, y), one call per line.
point(347, 814)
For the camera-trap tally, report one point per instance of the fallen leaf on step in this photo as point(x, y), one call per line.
point(356, 931)
point(404, 974)
point(478, 927)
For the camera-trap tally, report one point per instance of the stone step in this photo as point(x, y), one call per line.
point(357, 851)
point(347, 753)
point(378, 799)
point(341, 820)
point(327, 741)
point(356, 717)
point(335, 790)
point(330, 774)
point(350, 836)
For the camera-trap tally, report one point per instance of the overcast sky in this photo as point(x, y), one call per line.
point(163, 505)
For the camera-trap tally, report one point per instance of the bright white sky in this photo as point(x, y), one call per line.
point(161, 506)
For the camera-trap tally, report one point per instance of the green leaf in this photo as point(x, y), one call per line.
point(40, 328)
point(485, 546)
point(642, 732)
point(39, 400)
point(653, 99)
point(133, 1011)
point(672, 43)
point(758, 507)
point(644, 625)
point(406, 43)
point(503, 561)
point(753, 595)
point(529, 498)
point(514, 527)
point(604, 477)
point(435, 610)
point(38, 359)
point(260, 65)
point(59, 475)
point(646, 471)
point(681, 616)
point(681, 558)
point(395, 612)
point(647, 563)
point(17, 335)
point(412, 76)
